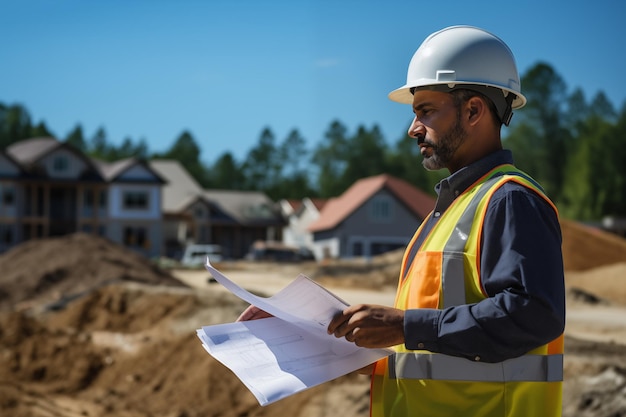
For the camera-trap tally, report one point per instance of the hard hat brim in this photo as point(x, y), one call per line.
point(403, 94)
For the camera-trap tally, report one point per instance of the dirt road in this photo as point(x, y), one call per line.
point(599, 323)
point(271, 282)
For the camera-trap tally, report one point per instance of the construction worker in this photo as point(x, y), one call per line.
point(480, 308)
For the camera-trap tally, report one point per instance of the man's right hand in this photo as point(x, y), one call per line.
point(253, 313)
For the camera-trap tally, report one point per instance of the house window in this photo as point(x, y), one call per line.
point(102, 201)
point(60, 164)
point(135, 200)
point(6, 234)
point(380, 209)
point(8, 195)
point(88, 199)
point(135, 237)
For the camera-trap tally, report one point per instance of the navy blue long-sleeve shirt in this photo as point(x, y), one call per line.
point(521, 268)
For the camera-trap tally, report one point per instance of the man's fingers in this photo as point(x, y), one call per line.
point(345, 321)
point(335, 325)
point(253, 313)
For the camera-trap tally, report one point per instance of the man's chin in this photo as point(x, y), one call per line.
point(432, 164)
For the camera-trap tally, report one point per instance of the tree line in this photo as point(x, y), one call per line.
point(572, 145)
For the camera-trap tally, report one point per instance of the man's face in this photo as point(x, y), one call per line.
point(437, 127)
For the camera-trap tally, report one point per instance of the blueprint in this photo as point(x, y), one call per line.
point(290, 352)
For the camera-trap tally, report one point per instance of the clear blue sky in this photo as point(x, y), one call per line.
point(224, 70)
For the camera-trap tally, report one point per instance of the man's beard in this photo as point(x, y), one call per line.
point(443, 152)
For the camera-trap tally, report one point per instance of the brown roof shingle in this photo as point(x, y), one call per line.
point(338, 209)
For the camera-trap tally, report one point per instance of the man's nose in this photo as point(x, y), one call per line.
point(417, 128)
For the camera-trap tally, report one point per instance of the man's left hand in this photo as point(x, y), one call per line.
point(370, 326)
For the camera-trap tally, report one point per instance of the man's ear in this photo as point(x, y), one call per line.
point(476, 109)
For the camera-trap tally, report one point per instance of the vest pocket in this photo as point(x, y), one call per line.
point(421, 288)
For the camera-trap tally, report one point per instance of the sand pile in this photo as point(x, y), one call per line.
point(55, 270)
point(586, 247)
point(131, 350)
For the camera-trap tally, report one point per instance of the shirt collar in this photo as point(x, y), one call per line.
point(466, 176)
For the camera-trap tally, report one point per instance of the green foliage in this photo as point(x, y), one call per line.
point(261, 167)
point(574, 148)
point(15, 125)
point(294, 178)
point(330, 159)
point(366, 156)
point(596, 172)
point(539, 141)
point(186, 151)
point(76, 139)
point(226, 174)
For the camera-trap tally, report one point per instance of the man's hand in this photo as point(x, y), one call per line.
point(253, 313)
point(369, 326)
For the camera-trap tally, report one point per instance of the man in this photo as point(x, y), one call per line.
point(480, 308)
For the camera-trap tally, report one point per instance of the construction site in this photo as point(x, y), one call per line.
point(90, 329)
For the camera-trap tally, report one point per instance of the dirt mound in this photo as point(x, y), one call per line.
point(58, 364)
point(607, 282)
point(586, 247)
point(56, 270)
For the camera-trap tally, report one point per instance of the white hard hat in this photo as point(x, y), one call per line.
point(465, 57)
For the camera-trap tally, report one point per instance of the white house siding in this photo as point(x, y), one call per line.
point(309, 215)
point(153, 230)
point(74, 168)
point(149, 219)
point(116, 202)
point(296, 234)
point(326, 248)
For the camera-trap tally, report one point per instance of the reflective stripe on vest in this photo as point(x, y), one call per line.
point(453, 275)
point(548, 368)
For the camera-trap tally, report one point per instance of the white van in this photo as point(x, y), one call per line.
point(195, 255)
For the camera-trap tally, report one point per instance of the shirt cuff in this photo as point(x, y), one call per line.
point(421, 329)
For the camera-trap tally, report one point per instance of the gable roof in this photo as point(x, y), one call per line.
point(113, 171)
point(338, 209)
point(28, 151)
point(181, 188)
point(246, 207)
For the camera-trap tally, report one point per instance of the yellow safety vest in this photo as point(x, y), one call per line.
point(446, 272)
